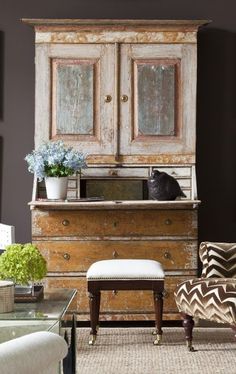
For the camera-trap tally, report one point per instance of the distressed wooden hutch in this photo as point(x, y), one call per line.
point(123, 91)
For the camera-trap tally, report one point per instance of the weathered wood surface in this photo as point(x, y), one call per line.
point(97, 31)
point(116, 205)
point(116, 74)
point(99, 134)
point(182, 141)
point(114, 306)
point(77, 256)
point(72, 235)
point(158, 23)
point(111, 36)
point(101, 223)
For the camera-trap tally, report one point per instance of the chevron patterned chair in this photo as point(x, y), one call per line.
point(213, 296)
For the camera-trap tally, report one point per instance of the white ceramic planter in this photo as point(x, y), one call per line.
point(56, 187)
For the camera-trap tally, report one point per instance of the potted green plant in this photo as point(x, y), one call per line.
point(23, 264)
point(54, 162)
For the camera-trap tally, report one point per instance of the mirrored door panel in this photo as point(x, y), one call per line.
point(155, 118)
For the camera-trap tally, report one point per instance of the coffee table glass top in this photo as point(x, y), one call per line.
point(53, 306)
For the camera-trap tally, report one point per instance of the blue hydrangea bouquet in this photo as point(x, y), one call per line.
point(55, 159)
point(55, 162)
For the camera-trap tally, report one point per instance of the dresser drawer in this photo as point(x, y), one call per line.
point(125, 223)
point(130, 302)
point(67, 256)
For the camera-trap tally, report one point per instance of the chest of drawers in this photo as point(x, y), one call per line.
point(74, 236)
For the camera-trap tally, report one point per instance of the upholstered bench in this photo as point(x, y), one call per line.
point(125, 275)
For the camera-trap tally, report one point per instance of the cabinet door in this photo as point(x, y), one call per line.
point(158, 109)
point(75, 89)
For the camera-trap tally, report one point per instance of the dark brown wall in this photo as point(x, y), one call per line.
point(216, 109)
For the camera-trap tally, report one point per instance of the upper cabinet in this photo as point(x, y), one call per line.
point(123, 91)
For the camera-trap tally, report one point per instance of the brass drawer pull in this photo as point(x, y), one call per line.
point(124, 98)
point(168, 221)
point(165, 294)
point(65, 222)
point(115, 292)
point(167, 255)
point(114, 173)
point(115, 254)
point(66, 256)
point(108, 98)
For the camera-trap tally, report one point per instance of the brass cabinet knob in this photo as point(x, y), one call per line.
point(115, 254)
point(66, 256)
point(168, 221)
point(108, 98)
point(65, 222)
point(124, 98)
point(115, 292)
point(167, 255)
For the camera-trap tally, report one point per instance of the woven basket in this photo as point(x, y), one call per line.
point(6, 296)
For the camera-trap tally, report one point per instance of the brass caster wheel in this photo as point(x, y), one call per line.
point(190, 347)
point(158, 339)
point(92, 339)
point(154, 332)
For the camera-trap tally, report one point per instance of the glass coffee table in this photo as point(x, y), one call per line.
point(48, 314)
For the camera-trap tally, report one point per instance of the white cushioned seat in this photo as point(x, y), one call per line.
point(36, 353)
point(125, 270)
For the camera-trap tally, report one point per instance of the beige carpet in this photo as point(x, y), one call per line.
point(130, 351)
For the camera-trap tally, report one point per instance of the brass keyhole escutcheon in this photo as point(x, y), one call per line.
point(115, 254)
point(65, 222)
point(108, 98)
point(124, 98)
point(66, 256)
point(168, 221)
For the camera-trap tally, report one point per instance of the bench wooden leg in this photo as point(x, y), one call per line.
point(94, 306)
point(158, 305)
point(97, 309)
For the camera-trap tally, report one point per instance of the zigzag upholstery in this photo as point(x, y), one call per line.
point(213, 299)
point(213, 296)
point(218, 260)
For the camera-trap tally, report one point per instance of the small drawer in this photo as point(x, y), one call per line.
point(115, 172)
point(184, 183)
point(188, 193)
point(175, 171)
